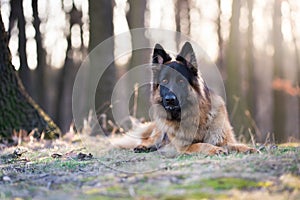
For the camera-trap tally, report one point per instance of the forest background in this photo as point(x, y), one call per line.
point(255, 45)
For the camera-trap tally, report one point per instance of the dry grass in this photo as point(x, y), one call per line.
point(89, 169)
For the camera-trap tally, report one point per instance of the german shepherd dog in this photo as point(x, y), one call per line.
point(186, 114)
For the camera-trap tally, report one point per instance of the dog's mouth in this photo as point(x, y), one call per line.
point(170, 102)
point(173, 112)
point(172, 108)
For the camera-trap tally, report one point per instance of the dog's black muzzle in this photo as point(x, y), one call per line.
point(170, 102)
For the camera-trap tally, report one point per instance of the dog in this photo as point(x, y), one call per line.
point(187, 115)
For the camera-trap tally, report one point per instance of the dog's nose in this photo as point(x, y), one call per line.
point(171, 100)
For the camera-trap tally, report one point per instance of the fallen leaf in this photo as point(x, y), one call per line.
point(290, 181)
point(6, 178)
point(83, 156)
point(56, 155)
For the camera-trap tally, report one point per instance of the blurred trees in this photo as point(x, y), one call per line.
point(254, 43)
point(101, 28)
point(236, 100)
point(65, 75)
point(136, 19)
point(40, 75)
point(279, 114)
point(17, 17)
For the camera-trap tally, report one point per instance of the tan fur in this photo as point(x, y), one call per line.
point(206, 131)
point(144, 135)
point(204, 126)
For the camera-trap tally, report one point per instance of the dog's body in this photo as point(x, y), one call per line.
point(186, 114)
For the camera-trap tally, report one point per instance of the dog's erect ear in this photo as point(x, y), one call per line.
point(187, 56)
point(159, 55)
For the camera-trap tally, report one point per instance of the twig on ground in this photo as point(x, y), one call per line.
point(136, 94)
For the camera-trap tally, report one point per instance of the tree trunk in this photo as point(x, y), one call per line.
point(17, 16)
point(233, 82)
point(66, 77)
point(41, 59)
point(182, 17)
point(220, 58)
point(136, 19)
point(61, 83)
point(297, 58)
point(101, 28)
point(251, 83)
point(17, 109)
point(279, 114)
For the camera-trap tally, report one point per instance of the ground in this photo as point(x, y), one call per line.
point(89, 169)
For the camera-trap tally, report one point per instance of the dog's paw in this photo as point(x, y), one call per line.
point(218, 151)
point(241, 148)
point(251, 150)
point(247, 150)
point(140, 149)
point(144, 149)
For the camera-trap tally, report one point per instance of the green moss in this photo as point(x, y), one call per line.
point(196, 195)
point(88, 179)
point(114, 191)
point(6, 194)
point(284, 149)
point(293, 168)
point(222, 184)
point(229, 183)
point(197, 190)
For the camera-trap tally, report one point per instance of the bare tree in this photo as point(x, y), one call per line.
point(297, 57)
point(39, 86)
point(136, 19)
point(279, 114)
point(220, 38)
point(182, 16)
point(101, 28)
point(251, 82)
point(18, 111)
point(66, 76)
point(17, 16)
point(236, 103)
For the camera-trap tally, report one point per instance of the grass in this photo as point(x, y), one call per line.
point(230, 183)
point(56, 171)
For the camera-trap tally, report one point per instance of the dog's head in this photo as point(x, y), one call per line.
point(176, 83)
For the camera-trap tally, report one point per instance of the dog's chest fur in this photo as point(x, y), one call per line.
point(209, 124)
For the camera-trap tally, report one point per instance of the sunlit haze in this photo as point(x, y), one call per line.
point(203, 28)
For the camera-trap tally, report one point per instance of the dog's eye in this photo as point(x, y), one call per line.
point(181, 81)
point(164, 81)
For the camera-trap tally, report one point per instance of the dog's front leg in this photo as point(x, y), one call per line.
point(153, 143)
point(241, 148)
point(204, 148)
